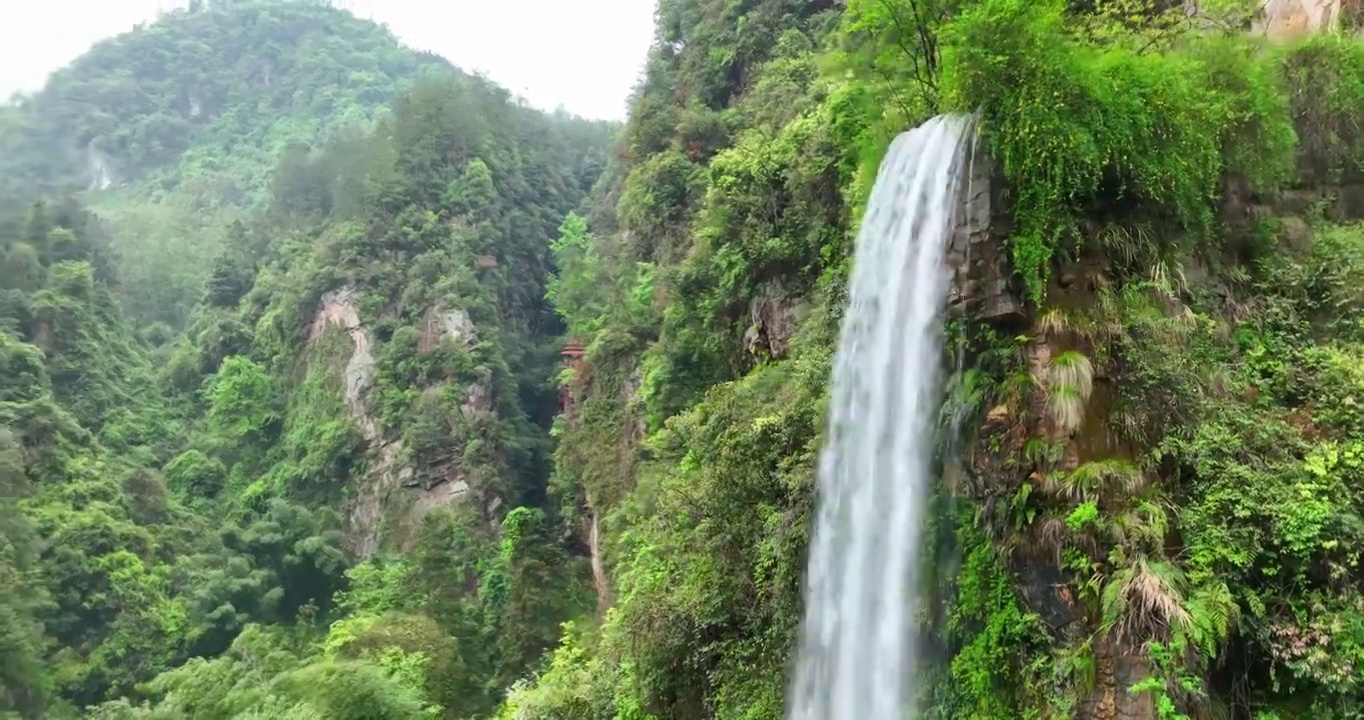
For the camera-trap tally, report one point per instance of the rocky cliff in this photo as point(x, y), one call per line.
point(1076, 427)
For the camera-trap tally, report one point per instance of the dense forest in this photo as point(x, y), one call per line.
point(183, 121)
point(286, 430)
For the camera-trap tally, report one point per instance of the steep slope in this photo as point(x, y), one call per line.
point(688, 457)
point(435, 228)
point(376, 343)
point(78, 439)
point(204, 99)
point(172, 129)
point(1153, 515)
point(365, 372)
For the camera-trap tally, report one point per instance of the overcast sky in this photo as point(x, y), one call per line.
point(585, 54)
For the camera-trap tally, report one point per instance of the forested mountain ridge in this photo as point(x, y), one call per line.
point(362, 365)
point(203, 100)
point(172, 131)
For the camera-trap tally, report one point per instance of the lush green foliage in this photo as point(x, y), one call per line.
point(1088, 123)
point(183, 511)
point(311, 467)
point(177, 126)
point(1127, 138)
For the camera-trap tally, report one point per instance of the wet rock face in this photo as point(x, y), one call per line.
point(983, 290)
point(1115, 671)
point(983, 287)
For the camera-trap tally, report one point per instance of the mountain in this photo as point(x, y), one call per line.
point(358, 367)
point(202, 100)
point(171, 130)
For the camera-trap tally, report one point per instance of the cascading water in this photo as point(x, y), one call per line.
point(857, 658)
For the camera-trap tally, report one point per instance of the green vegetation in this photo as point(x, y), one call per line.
point(281, 432)
point(301, 473)
point(176, 127)
point(1094, 525)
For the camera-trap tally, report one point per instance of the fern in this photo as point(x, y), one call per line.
point(1144, 601)
point(1017, 388)
point(1056, 323)
point(1142, 527)
point(1038, 451)
point(1096, 480)
point(1070, 381)
point(1213, 613)
point(1128, 244)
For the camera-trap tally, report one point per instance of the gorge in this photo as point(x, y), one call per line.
point(894, 358)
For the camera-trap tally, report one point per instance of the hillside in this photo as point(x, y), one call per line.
point(170, 131)
point(203, 100)
point(361, 366)
point(471, 411)
point(1151, 510)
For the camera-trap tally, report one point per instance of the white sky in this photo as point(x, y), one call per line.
point(584, 54)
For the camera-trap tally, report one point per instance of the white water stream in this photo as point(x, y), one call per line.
point(857, 659)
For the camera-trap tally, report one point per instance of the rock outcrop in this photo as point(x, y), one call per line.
point(774, 314)
point(1287, 19)
point(984, 291)
point(1293, 18)
point(983, 287)
point(390, 489)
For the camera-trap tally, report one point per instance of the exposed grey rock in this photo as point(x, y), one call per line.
point(387, 476)
point(983, 286)
point(600, 581)
point(1290, 18)
point(635, 426)
point(437, 496)
point(458, 326)
point(478, 400)
point(340, 308)
point(774, 314)
point(453, 324)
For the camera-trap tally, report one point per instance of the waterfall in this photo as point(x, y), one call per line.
point(857, 656)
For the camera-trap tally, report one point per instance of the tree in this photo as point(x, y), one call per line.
point(23, 678)
point(576, 288)
point(537, 583)
point(271, 570)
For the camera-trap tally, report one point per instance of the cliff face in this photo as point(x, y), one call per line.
point(1002, 459)
point(1113, 383)
point(1142, 370)
point(1284, 19)
point(392, 494)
